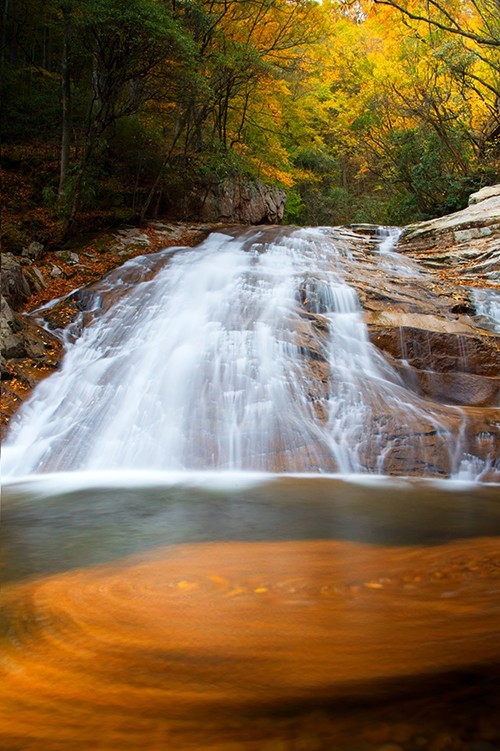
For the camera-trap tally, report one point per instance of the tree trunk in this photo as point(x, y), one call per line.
point(66, 100)
point(168, 156)
point(3, 32)
point(77, 188)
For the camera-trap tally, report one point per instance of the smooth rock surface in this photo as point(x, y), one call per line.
point(465, 244)
point(481, 195)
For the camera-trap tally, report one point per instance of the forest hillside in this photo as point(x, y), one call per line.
point(368, 111)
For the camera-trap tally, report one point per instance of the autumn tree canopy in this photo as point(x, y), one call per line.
point(363, 110)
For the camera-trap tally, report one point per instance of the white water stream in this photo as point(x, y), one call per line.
point(214, 364)
point(487, 304)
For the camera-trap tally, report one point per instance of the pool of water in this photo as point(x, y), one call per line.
point(249, 612)
point(57, 522)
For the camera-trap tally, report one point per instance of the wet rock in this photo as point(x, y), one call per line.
point(420, 322)
point(366, 229)
point(440, 352)
point(451, 388)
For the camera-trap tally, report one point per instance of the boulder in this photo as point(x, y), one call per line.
point(66, 256)
point(15, 287)
point(55, 272)
point(11, 342)
point(34, 251)
point(243, 202)
point(34, 277)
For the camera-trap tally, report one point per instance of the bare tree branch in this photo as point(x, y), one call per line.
point(452, 26)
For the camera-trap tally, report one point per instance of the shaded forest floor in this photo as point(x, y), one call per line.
point(29, 175)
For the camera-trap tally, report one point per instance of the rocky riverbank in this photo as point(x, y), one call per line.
point(464, 246)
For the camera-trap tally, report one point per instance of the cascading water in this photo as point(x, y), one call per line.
point(238, 354)
point(487, 304)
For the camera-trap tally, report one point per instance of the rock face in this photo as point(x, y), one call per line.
point(432, 328)
point(15, 286)
point(489, 191)
point(28, 353)
point(243, 203)
point(463, 252)
point(21, 338)
point(426, 324)
point(465, 244)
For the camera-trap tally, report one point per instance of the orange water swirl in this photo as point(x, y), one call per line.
point(152, 652)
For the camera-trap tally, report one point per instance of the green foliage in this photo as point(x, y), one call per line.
point(136, 148)
point(318, 162)
point(30, 104)
point(219, 164)
point(295, 209)
point(422, 163)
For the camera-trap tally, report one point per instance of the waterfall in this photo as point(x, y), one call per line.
point(249, 352)
point(487, 304)
point(388, 238)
